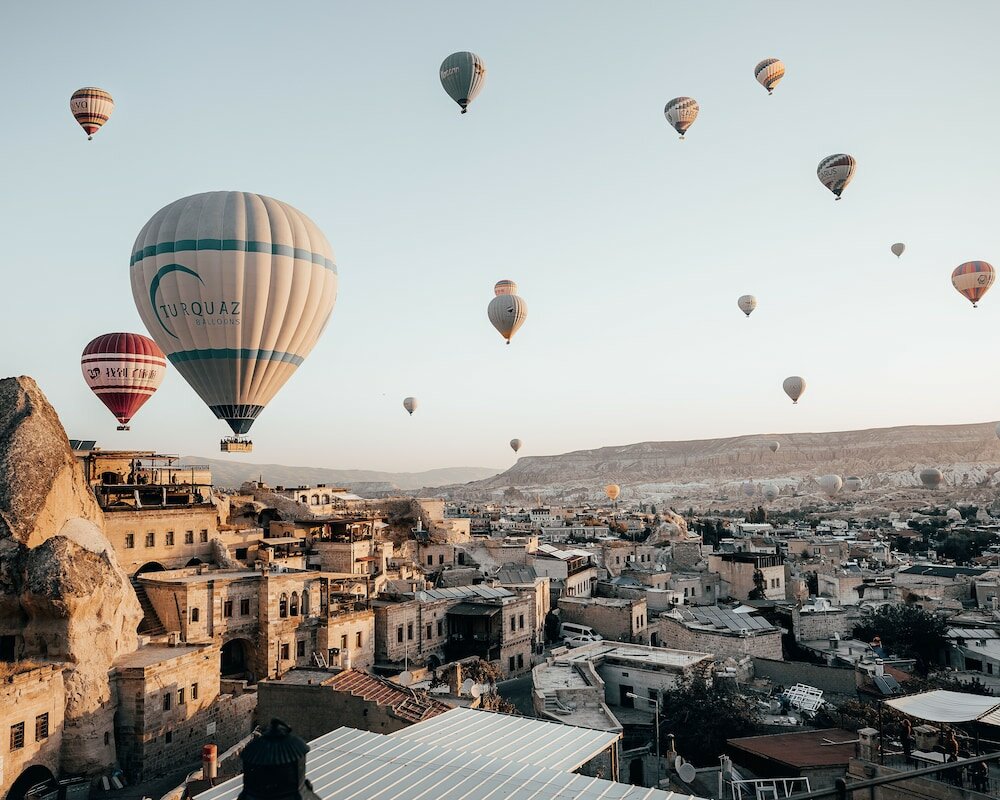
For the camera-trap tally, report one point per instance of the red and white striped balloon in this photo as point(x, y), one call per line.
point(123, 370)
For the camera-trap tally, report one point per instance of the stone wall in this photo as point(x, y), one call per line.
point(617, 620)
point(822, 624)
point(832, 680)
point(130, 531)
point(24, 697)
point(678, 636)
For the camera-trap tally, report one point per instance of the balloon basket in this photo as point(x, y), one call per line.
point(236, 445)
point(124, 428)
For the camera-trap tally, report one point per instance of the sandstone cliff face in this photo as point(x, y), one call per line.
point(62, 591)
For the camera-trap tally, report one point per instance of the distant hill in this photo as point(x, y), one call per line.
point(234, 473)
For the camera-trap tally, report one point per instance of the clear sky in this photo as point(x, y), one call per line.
point(630, 247)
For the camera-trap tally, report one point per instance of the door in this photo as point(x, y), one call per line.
point(624, 700)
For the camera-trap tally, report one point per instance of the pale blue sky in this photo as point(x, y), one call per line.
point(629, 246)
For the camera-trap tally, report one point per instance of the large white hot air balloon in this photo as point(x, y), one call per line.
point(507, 312)
point(852, 483)
point(774, 447)
point(749, 488)
point(747, 303)
point(931, 478)
point(836, 171)
point(236, 289)
point(410, 404)
point(794, 386)
point(515, 444)
point(770, 492)
point(462, 76)
point(831, 485)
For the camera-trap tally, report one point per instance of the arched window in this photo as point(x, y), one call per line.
point(283, 605)
point(305, 601)
point(303, 499)
point(295, 604)
point(326, 499)
point(315, 500)
point(194, 614)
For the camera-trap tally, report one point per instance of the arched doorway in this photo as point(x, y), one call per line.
point(236, 660)
point(194, 562)
point(151, 566)
point(32, 776)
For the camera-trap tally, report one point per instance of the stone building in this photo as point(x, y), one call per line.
point(573, 573)
point(524, 581)
point(616, 619)
point(738, 570)
point(720, 632)
point(32, 701)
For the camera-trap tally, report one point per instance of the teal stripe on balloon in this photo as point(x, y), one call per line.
point(229, 353)
point(237, 245)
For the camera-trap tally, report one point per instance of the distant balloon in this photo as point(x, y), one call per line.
point(612, 490)
point(836, 171)
point(749, 488)
point(931, 477)
point(973, 279)
point(91, 107)
point(462, 76)
point(747, 303)
point(997, 430)
point(897, 249)
point(410, 404)
point(771, 492)
point(852, 483)
point(681, 112)
point(775, 446)
point(515, 444)
point(504, 287)
point(794, 386)
point(769, 72)
point(123, 370)
point(507, 312)
point(831, 485)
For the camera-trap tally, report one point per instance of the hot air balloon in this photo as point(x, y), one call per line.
point(749, 489)
point(997, 430)
point(123, 370)
point(747, 303)
point(852, 483)
point(774, 446)
point(504, 287)
point(612, 490)
point(91, 107)
point(972, 280)
point(515, 444)
point(931, 478)
point(770, 492)
point(507, 312)
point(769, 72)
point(236, 288)
point(462, 76)
point(897, 249)
point(681, 112)
point(410, 404)
point(794, 386)
point(831, 485)
point(836, 171)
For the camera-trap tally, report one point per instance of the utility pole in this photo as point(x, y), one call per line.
point(656, 726)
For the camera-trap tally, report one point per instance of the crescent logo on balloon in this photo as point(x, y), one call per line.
point(154, 287)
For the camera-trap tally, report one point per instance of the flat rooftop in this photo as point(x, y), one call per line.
point(642, 655)
point(158, 653)
point(829, 747)
point(188, 575)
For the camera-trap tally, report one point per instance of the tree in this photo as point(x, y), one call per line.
point(701, 716)
point(759, 586)
point(907, 631)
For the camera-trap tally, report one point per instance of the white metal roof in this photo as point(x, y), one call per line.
point(535, 741)
point(346, 764)
point(939, 705)
point(459, 592)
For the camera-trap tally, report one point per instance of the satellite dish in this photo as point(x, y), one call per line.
point(476, 690)
point(405, 678)
point(687, 772)
point(467, 685)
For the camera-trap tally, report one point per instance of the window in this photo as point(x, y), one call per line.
point(399, 634)
point(170, 538)
point(188, 537)
point(195, 614)
point(357, 639)
point(303, 498)
point(409, 631)
point(513, 623)
point(194, 691)
point(315, 500)
point(167, 700)
point(129, 541)
point(441, 558)
point(430, 631)
point(107, 738)
point(305, 601)
point(241, 553)
point(520, 660)
point(300, 649)
point(169, 737)
point(284, 652)
point(227, 608)
point(343, 641)
point(326, 499)
point(17, 736)
point(440, 627)
point(294, 607)
point(430, 561)
point(510, 663)
point(283, 605)
point(520, 621)
point(180, 696)
point(150, 539)
point(203, 535)
point(244, 606)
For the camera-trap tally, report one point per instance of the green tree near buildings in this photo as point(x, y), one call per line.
point(759, 586)
point(907, 631)
point(701, 716)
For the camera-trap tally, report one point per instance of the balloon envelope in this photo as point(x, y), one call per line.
point(997, 430)
point(897, 249)
point(973, 279)
point(836, 171)
point(774, 446)
point(749, 489)
point(831, 484)
point(769, 72)
point(236, 289)
point(515, 444)
point(747, 303)
point(123, 370)
point(770, 492)
point(507, 312)
point(504, 287)
point(852, 483)
point(931, 477)
point(681, 112)
point(612, 490)
point(91, 108)
point(410, 404)
point(794, 386)
point(462, 76)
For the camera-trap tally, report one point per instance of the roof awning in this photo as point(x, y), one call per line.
point(473, 610)
point(940, 705)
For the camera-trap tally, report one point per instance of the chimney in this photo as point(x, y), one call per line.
point(834, 641)
point(879, 667)
point(274, 766)
point(209, 762)
point(455, 680)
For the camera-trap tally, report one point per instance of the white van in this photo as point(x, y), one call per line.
point(577, 635)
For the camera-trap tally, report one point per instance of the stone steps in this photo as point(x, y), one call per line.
point(150, 625)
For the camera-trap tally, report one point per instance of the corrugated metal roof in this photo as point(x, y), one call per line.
point(972, 633)
point(460, 592)
point(539, 742)
point(939, 705)
point(346, 764)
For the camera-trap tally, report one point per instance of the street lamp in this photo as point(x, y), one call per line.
point(656, 725)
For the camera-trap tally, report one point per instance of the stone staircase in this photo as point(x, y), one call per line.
point(150, 625)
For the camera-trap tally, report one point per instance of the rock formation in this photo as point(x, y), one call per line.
point(62, 592)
